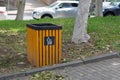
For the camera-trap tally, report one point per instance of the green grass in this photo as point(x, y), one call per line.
point(104, 32)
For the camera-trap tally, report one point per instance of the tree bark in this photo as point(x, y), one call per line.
point(80, 28)
point(98, 9)
point(20, 11)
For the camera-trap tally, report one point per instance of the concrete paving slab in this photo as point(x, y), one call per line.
point(103, 70)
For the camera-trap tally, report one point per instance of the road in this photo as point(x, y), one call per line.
point(29, 7)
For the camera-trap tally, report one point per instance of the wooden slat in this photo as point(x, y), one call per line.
point(60, 46)
point(35, 45)
point(41, 47)
point(56, 48)
point(46, 48)
point(33, 48)
point(44, 60)
point(50, 50)
point(53, 48)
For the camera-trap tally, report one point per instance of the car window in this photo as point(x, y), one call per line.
point(115, 3)
point(65, 5)
point(74, 4)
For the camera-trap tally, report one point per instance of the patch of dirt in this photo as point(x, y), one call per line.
point(12, 53)
point(73, 51)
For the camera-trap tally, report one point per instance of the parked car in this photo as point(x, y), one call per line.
point(106, 4)
point(59, 9)
point(3, 13)
point(112, 10)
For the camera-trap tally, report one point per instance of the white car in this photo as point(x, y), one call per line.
point(3, 13)
point(106, 4)
point(59, 9)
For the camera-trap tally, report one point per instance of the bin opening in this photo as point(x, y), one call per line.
point(44, 26)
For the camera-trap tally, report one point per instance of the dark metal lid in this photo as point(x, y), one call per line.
point(44, 26)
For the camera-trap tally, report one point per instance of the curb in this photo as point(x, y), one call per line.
point(12, 13)
point(73, 63)
point(101, 57)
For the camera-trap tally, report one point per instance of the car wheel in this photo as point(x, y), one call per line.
point(46, 16)
point(109, 14)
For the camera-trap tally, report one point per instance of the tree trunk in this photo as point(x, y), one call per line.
point(80, 28)
point(20, 11)
point(98, 9)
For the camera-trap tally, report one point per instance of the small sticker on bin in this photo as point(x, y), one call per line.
point(49, 40)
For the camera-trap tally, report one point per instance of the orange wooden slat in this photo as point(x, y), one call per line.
point(53, 48)
point(60, 46)
point(46, 49)
point(41, 47)
point(33, 48)
point(35, 45)
point(44, 60)
point(50, 50)
point(31, 45)
point(56, 46)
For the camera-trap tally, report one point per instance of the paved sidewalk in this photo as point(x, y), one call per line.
point(107, 69)
point(103, 70)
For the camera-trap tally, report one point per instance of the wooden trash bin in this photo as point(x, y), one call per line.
point(44, 44)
